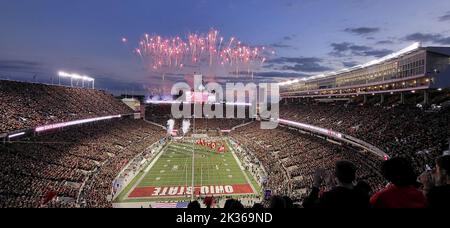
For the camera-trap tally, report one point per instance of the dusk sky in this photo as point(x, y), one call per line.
point(40, 37)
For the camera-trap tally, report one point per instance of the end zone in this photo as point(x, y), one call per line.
point(179, 191)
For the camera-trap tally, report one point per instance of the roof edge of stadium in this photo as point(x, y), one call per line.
point(394, 55)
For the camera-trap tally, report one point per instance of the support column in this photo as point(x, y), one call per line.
point(402, 98)
point(382, 99)
point(426, 98)
point(365, 99)
point(448, 144)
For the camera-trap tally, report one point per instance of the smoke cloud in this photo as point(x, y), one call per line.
point(186, 126)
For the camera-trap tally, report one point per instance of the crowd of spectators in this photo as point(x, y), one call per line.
point(404, 189)
point(28, 105)
point(399, 130)
point(75, 167)
point(72, 168)
point(291, 157)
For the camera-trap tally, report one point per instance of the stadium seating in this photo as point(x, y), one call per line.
point(291, 158)
point(75, 167)
point(28, 105)
point(399, 130)
point(60, 164)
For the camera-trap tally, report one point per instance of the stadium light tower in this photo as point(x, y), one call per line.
point(73, 76)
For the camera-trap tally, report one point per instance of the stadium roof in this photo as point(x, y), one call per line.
point(405, 51)
point(439, 50)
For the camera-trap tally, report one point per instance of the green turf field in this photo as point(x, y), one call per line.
point(173, 168)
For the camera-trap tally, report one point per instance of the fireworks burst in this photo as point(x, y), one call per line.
point(209, 50)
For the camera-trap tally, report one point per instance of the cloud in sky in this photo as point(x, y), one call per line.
point(362, 30)
point(20, 65)
point(268, 76)
point(351, 49)
point(307, 67)
point(280, 45)
point(299, 64)
point(445, 17)
point(349, 64)
point(429, 37)
point(383, 42)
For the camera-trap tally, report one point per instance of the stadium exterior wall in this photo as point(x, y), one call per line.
point(420, 68)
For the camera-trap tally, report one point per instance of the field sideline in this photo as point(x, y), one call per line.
point(169, 176)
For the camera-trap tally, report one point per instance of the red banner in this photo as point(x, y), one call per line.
point(178, 191)
point(212, 145)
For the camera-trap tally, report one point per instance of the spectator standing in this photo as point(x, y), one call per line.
point(401, 192)
point(439, 196)
point(344, 195)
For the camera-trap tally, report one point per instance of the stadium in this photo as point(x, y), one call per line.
point(96, 151)
point(358, 137)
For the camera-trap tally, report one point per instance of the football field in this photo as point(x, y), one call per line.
point(180, 166)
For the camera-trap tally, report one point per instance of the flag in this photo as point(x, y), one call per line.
point(210, 202)
point(49, 196)
point(182, 205)
point(221, 149)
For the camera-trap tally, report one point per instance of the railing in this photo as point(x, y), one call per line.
point(6, 136)
point(356, 86)
point(337, 136)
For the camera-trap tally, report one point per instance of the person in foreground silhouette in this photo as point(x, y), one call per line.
point(258, 206)
point(402, 191)
point(232, 204)
point(277, 202)
point(344, 195)
point(439, 194)
point(194, 205)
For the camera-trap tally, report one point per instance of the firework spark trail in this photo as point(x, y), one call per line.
point(175, 53)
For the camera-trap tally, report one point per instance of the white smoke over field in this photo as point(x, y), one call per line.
point(186, 126)
point(170, 126)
